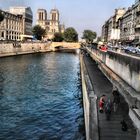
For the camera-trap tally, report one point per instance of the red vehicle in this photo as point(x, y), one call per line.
point(103, 48)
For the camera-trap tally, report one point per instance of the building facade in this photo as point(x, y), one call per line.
point(51, 25)
point(123, 26)
point(130, 25)
point(127, 34)
point(111, 30)
point(11, 28)
point(105, 32)
point(27, 20)
point(114, 29)
point(137, 21)
point(17, 24)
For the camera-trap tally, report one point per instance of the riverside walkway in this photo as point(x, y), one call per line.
point(109, 130)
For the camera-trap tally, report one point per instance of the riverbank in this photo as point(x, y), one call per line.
point(12, 49)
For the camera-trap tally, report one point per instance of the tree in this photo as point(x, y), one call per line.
point(70, 35)
point(38, 32)
point(1, 16)
point(58, 37)
point(89, 36)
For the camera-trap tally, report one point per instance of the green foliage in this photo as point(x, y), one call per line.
point(38, 32)
point(70, 35)
point(58, 37)
point(89, 36)
point(1, 16)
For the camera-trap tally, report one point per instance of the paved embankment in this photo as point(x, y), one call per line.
point(108, 130)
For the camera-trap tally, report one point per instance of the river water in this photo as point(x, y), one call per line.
point(40, 97)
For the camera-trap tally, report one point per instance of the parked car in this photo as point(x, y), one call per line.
point(138, 50)
point(129, 49)
point(132, 50)
point(103, 48)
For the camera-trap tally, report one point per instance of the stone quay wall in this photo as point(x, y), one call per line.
point(89, 103)
point(10, 49)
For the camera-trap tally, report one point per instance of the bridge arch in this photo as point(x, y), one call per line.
point(64, 45)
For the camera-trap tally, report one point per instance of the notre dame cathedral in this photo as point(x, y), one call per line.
point(51, 25)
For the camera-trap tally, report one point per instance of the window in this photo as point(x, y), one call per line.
point(53, 16)
point(2, 34)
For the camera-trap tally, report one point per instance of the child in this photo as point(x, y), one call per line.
point(101, 103)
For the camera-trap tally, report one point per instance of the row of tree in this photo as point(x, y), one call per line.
point(69, 35)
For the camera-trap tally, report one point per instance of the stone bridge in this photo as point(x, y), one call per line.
point(64, 45)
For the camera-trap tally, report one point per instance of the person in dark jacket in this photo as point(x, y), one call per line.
point(116, 99)
point(108, 109)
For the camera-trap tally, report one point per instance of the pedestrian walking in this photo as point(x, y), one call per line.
point(116, 99)
point(108, 109)
point(101, 103)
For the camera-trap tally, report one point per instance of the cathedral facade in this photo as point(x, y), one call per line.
point(51, 25)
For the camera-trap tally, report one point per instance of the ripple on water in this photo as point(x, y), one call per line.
point(40, 98)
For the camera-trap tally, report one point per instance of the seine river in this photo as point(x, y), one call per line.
point(40, 97)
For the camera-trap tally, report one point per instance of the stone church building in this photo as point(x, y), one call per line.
point(51, 25)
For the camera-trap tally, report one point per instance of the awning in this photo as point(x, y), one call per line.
point(26, 36)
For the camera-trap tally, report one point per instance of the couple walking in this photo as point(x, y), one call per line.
point(107, 106)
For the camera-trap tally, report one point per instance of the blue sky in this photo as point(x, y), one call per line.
point(80, 14)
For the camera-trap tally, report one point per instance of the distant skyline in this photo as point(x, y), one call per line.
point(80, 14)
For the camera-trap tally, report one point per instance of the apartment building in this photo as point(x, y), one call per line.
point(27, 20)
point(105, 32)
point(137, 21)
point(17, 24)
point(123, 26)
point(127, 28)
point(111, 30)
point(11, 27)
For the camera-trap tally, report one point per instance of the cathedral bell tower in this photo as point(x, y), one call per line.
point(54, 21)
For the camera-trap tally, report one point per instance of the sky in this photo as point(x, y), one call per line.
point(80, 14)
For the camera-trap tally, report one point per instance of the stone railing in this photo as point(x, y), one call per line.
point(125, 66)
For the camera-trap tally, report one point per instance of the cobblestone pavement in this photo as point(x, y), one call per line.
point(109, 130)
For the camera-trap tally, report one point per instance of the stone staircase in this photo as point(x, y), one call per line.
point(111, 130)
